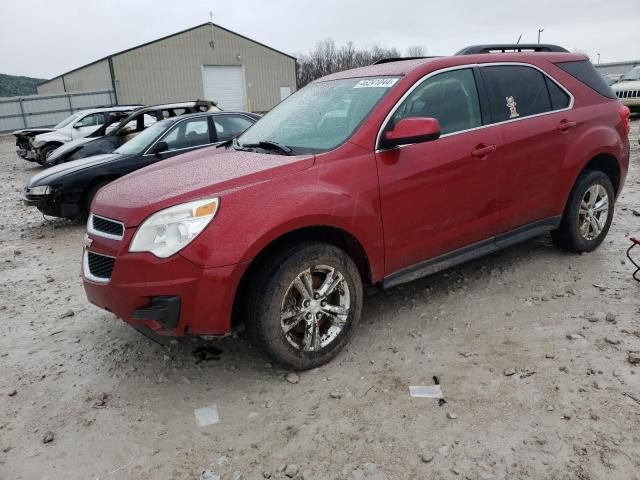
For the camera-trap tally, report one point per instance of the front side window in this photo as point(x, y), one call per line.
point(93, 120)
point(187, 134)
point(516, 91)
point(68, 120)
point(449, 97)
point(228, 126)
point(321, 116)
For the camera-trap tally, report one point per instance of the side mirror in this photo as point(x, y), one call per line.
point(412, 130)
point(77, 125)
point(159, 148)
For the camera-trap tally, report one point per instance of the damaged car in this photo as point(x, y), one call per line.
point(107, 139)
point(67, 190)
point(37, 144)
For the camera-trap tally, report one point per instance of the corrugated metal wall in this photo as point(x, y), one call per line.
point(171, 70)
point(47, 110)
point(52, 86)
point(95, 76)
point(91, 77)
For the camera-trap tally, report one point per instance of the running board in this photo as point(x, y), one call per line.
point(470, 252)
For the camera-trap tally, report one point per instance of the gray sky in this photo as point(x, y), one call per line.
point(43, 38)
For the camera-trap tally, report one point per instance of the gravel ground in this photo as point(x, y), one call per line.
point(531, 346)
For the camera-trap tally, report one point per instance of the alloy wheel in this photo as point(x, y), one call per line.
point(315, 308)
point(594, 212)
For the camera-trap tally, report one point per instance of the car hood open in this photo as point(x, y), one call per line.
point(188, 177)
point(53, 174)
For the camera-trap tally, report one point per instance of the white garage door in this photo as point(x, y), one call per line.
point(225, 85)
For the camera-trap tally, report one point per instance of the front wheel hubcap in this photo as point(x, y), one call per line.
point(594, 212)
point(315, 308)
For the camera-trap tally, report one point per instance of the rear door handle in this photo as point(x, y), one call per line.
point(483, 150)
point(565, 125)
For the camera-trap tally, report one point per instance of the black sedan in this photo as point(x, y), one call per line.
point(67, 190)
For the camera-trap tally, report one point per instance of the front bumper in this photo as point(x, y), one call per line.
point(51, 206)
point(169, 296)
point(632, 103)
point(30, 155)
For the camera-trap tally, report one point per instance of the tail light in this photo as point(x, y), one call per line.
point(625, 113)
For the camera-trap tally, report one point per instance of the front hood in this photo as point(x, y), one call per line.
point(64, 149)
point(188, 177)
point(30, 132)
point(55, 135)
point(53, 174)
point(622, 86)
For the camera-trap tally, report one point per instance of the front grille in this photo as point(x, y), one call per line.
point(100, 266)
point(628, 93)
point(106, 226)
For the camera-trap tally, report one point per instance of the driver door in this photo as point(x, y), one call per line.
point(440, 195)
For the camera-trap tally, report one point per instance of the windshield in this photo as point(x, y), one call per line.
point(68, 120)
point(143, 140)
point(632, 75)
point(321, 116)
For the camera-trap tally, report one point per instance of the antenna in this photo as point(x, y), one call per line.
point(519, 38)
point(212, 42)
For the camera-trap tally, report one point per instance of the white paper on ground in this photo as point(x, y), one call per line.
point(206, 415)
point(428, 391)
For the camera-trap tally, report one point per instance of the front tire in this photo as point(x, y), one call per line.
point(46, 151)
point(304, 303)
point(588, 214)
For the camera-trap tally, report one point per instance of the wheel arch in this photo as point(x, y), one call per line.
point(607, 164)
point(332, 235)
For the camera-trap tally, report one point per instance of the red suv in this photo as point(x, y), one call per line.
point(373, 176)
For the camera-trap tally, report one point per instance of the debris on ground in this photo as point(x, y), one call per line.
point(206, 415)
point(292, 378)
point(48, 437)
point(426, 391)
point(207, 353)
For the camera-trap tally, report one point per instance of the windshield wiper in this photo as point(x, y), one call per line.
point(268, 145)
point(227, 143)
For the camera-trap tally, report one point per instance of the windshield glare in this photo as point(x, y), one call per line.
point(321, 116)
point(143, 140)
point(68, 120)
point(632, 75)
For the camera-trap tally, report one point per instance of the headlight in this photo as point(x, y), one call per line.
point(168, 231)
point(41, 190)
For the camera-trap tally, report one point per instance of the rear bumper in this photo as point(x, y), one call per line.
point(169, 296)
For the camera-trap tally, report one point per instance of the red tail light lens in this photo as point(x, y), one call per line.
point(625, 113)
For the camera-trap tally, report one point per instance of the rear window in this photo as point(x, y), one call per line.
point(584, 71)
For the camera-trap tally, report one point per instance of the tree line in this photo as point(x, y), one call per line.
point(327, 58)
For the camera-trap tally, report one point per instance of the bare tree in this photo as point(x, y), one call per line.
point(327, 58)
point(416, 51)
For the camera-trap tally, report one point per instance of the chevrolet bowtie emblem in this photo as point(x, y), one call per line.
point(87, 241)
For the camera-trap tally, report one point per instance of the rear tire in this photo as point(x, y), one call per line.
point(588, 214)
point(304, 303)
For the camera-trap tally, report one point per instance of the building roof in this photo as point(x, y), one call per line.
point(161, 39)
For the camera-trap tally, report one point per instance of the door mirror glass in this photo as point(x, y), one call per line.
point(159, 148)
point(412, 130)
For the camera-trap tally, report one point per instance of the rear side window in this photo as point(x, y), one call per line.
point(584, 71)
point(516, 91)
point(559, 98)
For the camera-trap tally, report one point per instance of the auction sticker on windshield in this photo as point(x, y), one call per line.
point(376, 82)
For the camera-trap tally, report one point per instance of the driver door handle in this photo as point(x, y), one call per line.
point(483, 150)
point(565, 125)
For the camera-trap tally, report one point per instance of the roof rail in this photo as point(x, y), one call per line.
point(511, 47)
point(397, 59)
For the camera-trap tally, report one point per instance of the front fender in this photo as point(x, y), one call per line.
point(252, 217)
point(52, 137)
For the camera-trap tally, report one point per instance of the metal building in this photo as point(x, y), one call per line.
point(204, 62)
point(617, 67)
